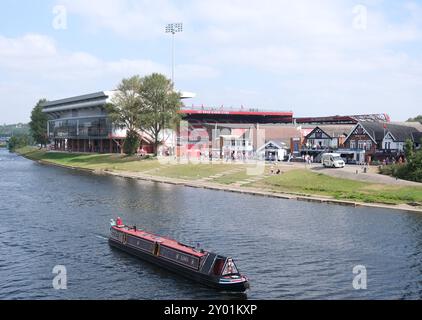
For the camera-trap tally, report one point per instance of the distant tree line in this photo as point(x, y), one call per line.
point(13, 129)
point(22, 135)
point(416, 119)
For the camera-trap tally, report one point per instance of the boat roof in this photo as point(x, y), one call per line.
point(170, 243)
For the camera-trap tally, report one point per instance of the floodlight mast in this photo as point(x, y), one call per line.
point(173, 28)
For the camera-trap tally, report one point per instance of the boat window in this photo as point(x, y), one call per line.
point(230, 268)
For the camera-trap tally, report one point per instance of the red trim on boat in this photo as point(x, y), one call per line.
point(170, 243)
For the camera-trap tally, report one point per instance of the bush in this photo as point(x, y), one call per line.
point(132, 143)
point(18, 141)
point(411, 171)
point(388, 170)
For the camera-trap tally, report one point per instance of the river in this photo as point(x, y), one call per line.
point(290, 250)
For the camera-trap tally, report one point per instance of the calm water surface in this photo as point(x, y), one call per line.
point(288, 249)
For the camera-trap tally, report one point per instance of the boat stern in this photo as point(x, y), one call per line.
point(237, 283)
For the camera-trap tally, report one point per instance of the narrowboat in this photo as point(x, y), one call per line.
point(205, 267)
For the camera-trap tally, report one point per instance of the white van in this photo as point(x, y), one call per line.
point(332, 160)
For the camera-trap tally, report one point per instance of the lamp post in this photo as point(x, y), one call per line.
point(173, 28)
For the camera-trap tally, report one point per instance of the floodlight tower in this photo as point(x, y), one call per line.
point(173, 28)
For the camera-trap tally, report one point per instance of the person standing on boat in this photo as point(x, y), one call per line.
point(119, 222)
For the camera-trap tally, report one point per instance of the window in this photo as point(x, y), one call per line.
point(218, 266)
point(353, 144)
point(230, 268)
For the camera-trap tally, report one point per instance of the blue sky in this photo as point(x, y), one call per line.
point(312, 57)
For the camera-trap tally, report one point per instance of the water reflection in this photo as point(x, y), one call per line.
point(288, 249)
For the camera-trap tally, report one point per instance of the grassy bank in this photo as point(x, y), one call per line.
point(297, 181)
point(90, 161)
point(311, 183)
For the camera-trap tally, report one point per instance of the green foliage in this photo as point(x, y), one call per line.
point(388, 170)
point(18, 141)
point(408, 149)
point(416, 119)
point(411, 170)
point(161, 106)
point(148, 104)
point(131, 144)
point(38, 124)
point(125, 109)
point(13, 129)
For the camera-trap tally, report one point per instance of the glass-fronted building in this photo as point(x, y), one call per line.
point(80, 124)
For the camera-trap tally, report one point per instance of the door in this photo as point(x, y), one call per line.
point(156, 251)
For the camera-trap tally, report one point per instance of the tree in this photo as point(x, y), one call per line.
point(125, 111)
point(408, 150)
point(18, 141)
point(38, 124)
point(160, 106)
point(416, 119)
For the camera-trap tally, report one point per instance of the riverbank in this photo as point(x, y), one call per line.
point(293, 182)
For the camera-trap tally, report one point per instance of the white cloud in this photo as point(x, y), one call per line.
point(195, 71)
point(13, 48)
point(38, 55)
point(36, 67)
point(276, 35)
point(291, 53)
point(128, 18)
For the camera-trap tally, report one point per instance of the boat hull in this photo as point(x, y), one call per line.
point(204, 279)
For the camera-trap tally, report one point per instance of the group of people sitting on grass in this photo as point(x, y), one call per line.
point(275, 170)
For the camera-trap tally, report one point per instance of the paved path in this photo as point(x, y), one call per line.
point(222, 174)
point(250, 180)
point(349, 172)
